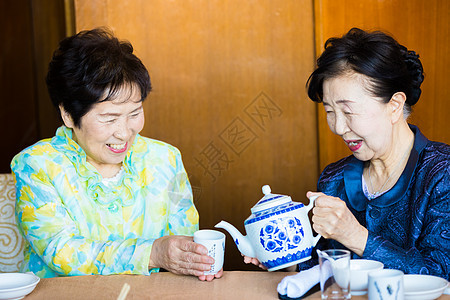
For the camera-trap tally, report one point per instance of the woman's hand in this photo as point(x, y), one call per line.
point(211, 277)
point(180, 255)
point(333, 220)
point(254, 261)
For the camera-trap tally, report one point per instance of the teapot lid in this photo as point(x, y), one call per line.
point(269, 200)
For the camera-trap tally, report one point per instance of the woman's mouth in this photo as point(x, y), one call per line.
point(117, 148)
point(354, 145)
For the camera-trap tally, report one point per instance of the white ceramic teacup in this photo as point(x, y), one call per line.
point(386, 285)
point(214, 241)
point(359, 271)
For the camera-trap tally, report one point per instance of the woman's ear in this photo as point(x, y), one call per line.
point(66, 117)
point(396, 104)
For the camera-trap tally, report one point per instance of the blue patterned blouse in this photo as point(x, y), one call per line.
point(77, 223)
point(409, 226)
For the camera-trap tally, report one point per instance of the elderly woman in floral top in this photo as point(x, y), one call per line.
point(98, 198)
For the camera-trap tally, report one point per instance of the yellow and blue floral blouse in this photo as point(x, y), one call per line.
point(77, 223)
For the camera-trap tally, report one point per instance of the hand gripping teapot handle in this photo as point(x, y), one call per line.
point(316, 238)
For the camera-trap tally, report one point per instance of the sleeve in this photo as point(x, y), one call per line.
point(431, 252)
point(54, 236)
point(183, 216)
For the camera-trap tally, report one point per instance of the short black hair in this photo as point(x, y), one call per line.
point(389, 66)
point(89, 64)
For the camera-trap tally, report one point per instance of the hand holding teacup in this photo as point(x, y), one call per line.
point(214, 242)
point(181, 255)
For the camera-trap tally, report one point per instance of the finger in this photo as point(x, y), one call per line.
point(326, 220)
point(324, 211)
point(209, 277)
point(219, 274)
point(195, 272)
point(194, 258)
point(318, 228)
point(330, 202)
point(199, 267)
point(322, 202)
point(256, 262)
point(331, 214)
point(185, 264)
point(312, 194)
point(191, 246)
point(262, 266)
point(196, 267)
point(202, 277)
point(247, 259)
point(323, 230)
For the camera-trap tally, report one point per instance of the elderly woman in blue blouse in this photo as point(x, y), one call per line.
point(390, 200)
point(98, 198)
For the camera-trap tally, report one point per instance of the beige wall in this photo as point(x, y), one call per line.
point(229, 91)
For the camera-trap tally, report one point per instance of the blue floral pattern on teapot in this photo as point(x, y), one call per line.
point(284, 233)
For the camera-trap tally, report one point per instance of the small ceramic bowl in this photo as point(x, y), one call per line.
point(17, 285)
point(359, 270)
point(423, 287)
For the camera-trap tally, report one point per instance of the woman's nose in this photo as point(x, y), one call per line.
point(123, 131)
point(340, 125)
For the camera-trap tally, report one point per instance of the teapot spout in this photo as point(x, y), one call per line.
point(242, 242)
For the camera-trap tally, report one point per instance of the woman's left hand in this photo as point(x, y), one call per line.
point(333, 220)
point(180, 255)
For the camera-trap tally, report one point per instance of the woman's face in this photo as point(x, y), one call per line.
point(362, 120)
point(107, 131)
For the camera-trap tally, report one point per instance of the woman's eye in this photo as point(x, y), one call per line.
point(110, 120)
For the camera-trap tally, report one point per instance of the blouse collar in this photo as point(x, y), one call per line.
point(64, 143)
point(353, 172)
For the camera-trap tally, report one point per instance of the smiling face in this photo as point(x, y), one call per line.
point(107, 131)
point(363, 121)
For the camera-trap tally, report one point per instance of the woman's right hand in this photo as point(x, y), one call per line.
point(254, 261)
point(180, 255)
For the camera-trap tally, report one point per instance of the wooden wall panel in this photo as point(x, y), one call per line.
point(31, 31)
point(422, 26)
point(229, 91)
point(49, 27)
point(18, 111)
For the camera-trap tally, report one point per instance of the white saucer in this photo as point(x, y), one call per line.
point(423, 287)
point(17, 285)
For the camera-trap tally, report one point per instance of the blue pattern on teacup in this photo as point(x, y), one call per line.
point(281, 234)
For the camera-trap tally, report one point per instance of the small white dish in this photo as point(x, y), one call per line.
point(359, 270)
point(423, 287)
point(15, 286)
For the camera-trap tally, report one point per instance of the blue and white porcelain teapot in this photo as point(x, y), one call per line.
point(279, 233)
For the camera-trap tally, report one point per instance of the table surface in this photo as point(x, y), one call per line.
point(165, 285)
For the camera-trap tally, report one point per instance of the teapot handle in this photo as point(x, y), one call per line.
point(311, 203)
point(309, 207)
